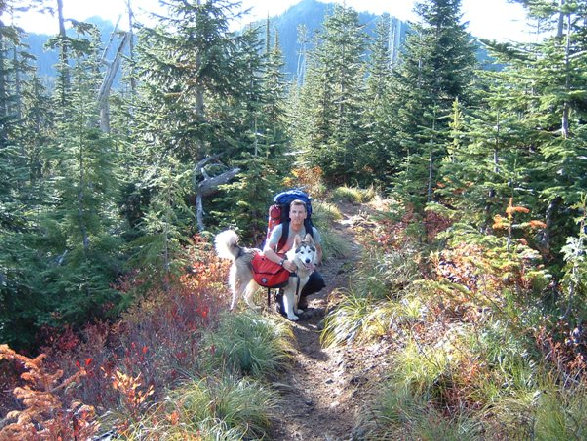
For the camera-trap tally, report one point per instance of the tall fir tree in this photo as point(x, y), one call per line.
point(333, 96)
point(436, 67)
point(547, 78)
point(376, 156)
point(80, 217)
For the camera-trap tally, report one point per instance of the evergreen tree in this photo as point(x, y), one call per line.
point(79, 218)
point(16, 308)
point(548, 81)
point(486, 156)
point(436, 68)
point(59, 263)
point(332, 96)
point(375, 157)
point(183, 64)
point(261, 140)
point(274, 107)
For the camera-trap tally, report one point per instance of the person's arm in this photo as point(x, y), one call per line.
point(274, 257)
point(271, 255)
point(318, 254)
point(271, 244)
point(269, 250)
point(317, 243)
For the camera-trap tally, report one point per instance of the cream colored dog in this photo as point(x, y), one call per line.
point(303, 254)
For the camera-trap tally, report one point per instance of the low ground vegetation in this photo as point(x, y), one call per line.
point(477, 349)
point(478, 352)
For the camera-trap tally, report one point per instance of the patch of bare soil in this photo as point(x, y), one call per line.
point(324, 389)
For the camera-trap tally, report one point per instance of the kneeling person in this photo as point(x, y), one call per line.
point(296, 227)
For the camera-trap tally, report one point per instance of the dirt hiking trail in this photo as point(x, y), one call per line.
point(323, 389)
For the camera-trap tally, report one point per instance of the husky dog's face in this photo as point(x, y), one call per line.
point(305, 250)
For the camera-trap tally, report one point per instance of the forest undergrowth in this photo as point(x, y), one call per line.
point(469, 348)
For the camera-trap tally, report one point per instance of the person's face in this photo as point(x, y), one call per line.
point(297, 214)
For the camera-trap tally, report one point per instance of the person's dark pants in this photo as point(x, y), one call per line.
point(315, 284)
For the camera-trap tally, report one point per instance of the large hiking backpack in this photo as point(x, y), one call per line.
point(279, 214)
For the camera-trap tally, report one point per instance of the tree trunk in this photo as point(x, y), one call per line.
point(199, 88)
point(303, 40)
point(550, 216)
point(80, 202)
point(3, 97)
point(208, 186)
point(559, 31)
point(491, 193)
point(431, 159)
point(566, 106)
point(200, 213)
point(131, 49)
point(106, 86)
point(63, 56)
point(17, 84)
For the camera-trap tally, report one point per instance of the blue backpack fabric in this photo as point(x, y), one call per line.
point(285, 197)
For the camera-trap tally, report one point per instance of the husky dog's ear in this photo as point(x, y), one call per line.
point(309, 239)
point(297, 241)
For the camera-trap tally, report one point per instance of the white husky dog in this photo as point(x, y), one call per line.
point(302, 253)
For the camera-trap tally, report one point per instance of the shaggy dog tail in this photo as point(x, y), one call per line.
point(226, 244)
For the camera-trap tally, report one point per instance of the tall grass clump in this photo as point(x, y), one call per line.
point(211, 409)
point(397, 413)
point(359, 318)
point(427, 370)
point(324, 213)
point(562, 412)
point(548, 411)
point(376, 298)
point(247, 344)
point(333, 245)
point(353, 194)
point(349, 321)
point(383, 274)
point(509, 363)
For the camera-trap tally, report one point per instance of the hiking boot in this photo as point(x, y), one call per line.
point(303, 303)
point(279, 302)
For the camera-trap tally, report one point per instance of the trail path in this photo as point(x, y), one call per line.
point(324, 387)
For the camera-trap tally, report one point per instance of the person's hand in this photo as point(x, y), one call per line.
point(289, 266)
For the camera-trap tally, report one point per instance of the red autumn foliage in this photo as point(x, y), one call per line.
point(49, 411)
point(565, 347)
point(308, 178)
point(389, 233)
point(125, 364)
point(435, 223)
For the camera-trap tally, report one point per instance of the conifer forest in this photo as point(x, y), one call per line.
point(116, 173)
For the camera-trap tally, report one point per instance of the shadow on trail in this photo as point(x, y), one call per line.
point(307, 337)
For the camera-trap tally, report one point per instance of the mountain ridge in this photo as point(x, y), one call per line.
point(310, 13)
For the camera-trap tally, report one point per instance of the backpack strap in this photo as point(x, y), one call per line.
point(284, 235)
point(309, 226)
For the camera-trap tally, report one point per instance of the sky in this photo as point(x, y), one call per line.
point(495, 19)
